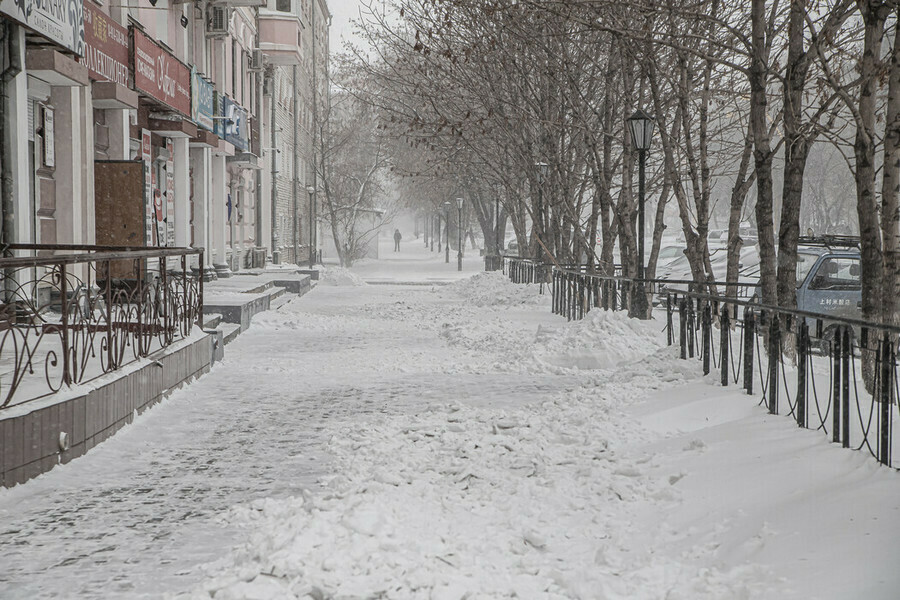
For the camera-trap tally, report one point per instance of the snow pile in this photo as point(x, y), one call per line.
point(603, 339)
point(495, 289)
point(339, 276)
point(473, 503)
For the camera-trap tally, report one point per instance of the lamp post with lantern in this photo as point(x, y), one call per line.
point(312, 225)
point(542, 170)
point(446, 205)
point(459, 238)
point(641, 125)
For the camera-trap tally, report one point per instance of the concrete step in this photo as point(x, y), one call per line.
point(281, 301)
point(211, 320)
point(264, 286)
point(230, 331)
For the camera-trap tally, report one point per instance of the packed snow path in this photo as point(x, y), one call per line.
point(453, 442)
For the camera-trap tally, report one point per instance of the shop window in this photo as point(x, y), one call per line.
point(283, 6)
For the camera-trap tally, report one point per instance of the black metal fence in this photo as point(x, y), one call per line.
point(526, 270)
point(72, 313)
point(836, 375)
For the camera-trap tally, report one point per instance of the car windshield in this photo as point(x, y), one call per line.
point(838, 273)
point(804, 264)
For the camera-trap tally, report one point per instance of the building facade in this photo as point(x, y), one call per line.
point(176, 108)
point(296, 81)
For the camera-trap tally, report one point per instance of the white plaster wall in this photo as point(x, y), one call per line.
point(201, 158)
point(182, 165)
point(217, 209)
point(18, 94)
point(68, 172)
point(88, 233)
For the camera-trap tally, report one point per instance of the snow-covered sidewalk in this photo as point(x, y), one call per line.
point(454, 442)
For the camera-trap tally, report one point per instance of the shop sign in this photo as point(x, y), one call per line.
point(160, 75)
point(146, 158)
point(49, 139)
point(202, 104)
point(106, 47)
point(60, 21)
point(170, 194)
point(219, 111)
point(237, 126)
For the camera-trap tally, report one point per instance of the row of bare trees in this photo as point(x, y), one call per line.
point(745, 96)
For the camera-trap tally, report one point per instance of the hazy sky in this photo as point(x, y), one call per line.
point(342, 11)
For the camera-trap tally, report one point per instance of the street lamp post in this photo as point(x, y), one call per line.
point(312, 225)
point(542, 170)
point(437, 213)
point(459, 239)
point(446, 205)
point(641, 126)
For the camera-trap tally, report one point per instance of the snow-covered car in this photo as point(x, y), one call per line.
point(512, 248)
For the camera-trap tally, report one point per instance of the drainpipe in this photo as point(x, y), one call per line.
point(9, 49)
point(294, 174)
point(315, 128)
point(259, 118)
point(273, 158)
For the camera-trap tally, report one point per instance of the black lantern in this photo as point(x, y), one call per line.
point(641, 126)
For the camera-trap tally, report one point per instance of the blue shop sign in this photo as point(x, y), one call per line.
point(202, 101)
point(237, 126)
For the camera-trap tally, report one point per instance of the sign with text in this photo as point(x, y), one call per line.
point(160, 75)
point(237, 128)
point(170, 193)
point(106, 47)
point(202, 104)
point(60, 21)
point(146, 158)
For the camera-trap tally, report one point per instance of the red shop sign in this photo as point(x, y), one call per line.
point(106, 47)
point(160, 75)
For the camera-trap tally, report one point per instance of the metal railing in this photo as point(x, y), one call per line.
point(526, 270)
point(837, 375)
point(71, 313)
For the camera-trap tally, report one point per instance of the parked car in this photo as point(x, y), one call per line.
point(512, 248)
point(828, 279)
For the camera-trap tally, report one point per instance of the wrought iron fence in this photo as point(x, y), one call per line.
point(72, 313)
point(526, 270)
point(837, 375)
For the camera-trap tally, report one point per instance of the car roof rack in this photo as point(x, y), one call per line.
point(829, 241)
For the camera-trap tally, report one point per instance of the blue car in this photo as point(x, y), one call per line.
point(828, 280)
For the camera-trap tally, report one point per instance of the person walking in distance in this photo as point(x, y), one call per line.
point(397, 238)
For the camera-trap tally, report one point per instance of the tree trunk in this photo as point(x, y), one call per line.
point(890, 187)
point(762, 153)
point(874, 14)
point(796, 150)
point(742, 185)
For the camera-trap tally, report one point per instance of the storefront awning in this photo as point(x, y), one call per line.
point(109, 95)
point(245, 160)
point(205, 139)
point(55, 68)
point(176, 127)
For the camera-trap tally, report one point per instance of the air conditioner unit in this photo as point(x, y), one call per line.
point(256, 60)
point(216, 21)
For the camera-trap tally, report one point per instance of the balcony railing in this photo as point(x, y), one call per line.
point(69, 314)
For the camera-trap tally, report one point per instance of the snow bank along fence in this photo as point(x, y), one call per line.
point(71, 313)
point(837, 375)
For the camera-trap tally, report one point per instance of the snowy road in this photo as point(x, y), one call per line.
point(439, 442)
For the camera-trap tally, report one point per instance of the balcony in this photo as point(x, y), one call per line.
point(279, 37)
point(238, 3)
